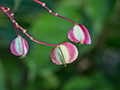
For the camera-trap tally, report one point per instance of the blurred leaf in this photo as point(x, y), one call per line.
point(15, 73)
point(16, 4)
point(79, 83)
point(2, 76)
point(99, 11)
point(70, 9)
point(100, 81)
point(51, 80)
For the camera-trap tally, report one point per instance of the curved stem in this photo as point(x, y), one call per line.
point(55, 14)
point(24, 31)
point(11, 17)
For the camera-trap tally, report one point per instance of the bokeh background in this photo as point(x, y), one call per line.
point(98, 64)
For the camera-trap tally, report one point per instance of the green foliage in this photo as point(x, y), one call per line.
point(98, 65)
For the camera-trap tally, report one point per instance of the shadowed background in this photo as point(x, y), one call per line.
point(98, 64)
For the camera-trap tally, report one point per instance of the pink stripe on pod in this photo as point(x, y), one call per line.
point(25, 47)
point(87, 39)
point(19, 46)
point(79, 33)
point(73, 52)
point(64, 53)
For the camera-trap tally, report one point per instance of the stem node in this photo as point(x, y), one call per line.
point(12, 14)
point(50, 11)
point(43, 4)
point(24, 31)
point(56, 14)
point(13, 21)
point(31, 38)
point(16, 24)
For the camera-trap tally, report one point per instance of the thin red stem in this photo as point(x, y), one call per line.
point(24, 31)
point(7, 11)
point(55, 14)
point(10, 15)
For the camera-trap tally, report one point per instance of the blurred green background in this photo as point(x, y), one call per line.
point(98, 64)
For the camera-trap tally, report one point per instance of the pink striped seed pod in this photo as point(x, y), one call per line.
point(64, 53)
point(19, 46)
point(79, 33)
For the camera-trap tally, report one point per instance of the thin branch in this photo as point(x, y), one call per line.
point(50, 11)
point(7, 11)
point(10, 15)
point(24, 31)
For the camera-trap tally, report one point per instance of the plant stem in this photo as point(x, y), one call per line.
point(10, 15)
point(24, 31)
point(55, 14)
